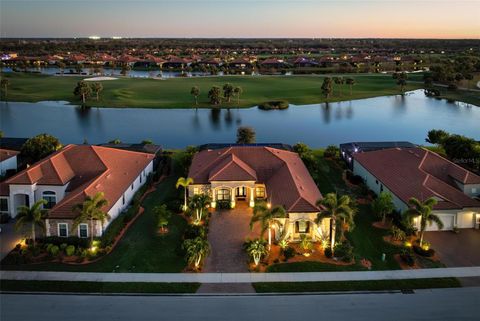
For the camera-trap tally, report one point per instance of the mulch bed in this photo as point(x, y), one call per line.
point(382, 225)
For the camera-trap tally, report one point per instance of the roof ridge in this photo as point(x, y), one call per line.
point(436, 193)
point(451, 163)
point(94, 147)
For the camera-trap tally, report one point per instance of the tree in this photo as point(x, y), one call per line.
point(256, 249)
point(383, 205)
point(147, 142)
point(245, 135)
point(79, 68)
point(125, 69)
point(214, 95)
point(327, 87)
point(61, 65)
point(339, 81)
point(97, 88)
point(83, 90)
point(199, 204)
point(184, 182)
point(401, 78)
point(238, 91)
point(195, 92)
point(40, 146)
point(336, 209)
point(350, 82)
point(263, 214)
point(4, 83)
point(163, 215)
point(35, 216)
point(436, 136)
point(228, 91)
point(424, 211)
point(196, 249)
point(91, 210)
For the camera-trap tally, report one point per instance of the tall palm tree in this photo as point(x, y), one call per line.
point(336, 209)
point(196, 249)
point(4, 84)
point(265, 216)
point(350, 82)
point(383, 205)
point(238, 91)
point(195, 92)
point(256, 249)
point(327, 87)
point(97, 88)
point(34, 215)
point(91, 210)
point(83, 90)
point(199, 204)
point(424, 211)
point(184, 182)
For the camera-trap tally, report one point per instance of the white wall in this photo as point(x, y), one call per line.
point(34, 192)
point(10, 163)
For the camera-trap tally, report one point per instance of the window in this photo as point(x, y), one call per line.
point(302, 227)
point(223, 194)
point(123, 199)
point(83, 230)
point(51, 199)
point(3, 205)
point(260, 192)
point(474, 189)
point(140, 179)
point(63, 229)
point(133, 185)
point(196, 191)
point(376, 181)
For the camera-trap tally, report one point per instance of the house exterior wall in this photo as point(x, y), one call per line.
point(10, 163)
point(52, 227)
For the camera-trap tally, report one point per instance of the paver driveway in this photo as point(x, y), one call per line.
point(461, 249)
point(227, 232)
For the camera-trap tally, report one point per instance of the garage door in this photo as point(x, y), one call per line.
point(448, 221)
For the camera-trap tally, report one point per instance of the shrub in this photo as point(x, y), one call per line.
point(398, 234)
point(193, 231)
point(344, 251)
point(63, 246)
point(426, 253)
point(224, 205)
point(328, 252)
point(54, 250)
point(70, 250)
point(275, 104)
point(331, 151)
point(72, 240)
point(288, 253)
point(407, 257)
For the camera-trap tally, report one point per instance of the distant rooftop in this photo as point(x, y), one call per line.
point(222, 145)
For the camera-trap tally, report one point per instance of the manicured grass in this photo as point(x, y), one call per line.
point(378, 285)
point(175, 92)
point(466, 96)
point(97, 287)
point(142, 249)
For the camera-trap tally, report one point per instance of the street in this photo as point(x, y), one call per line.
point(439, 304)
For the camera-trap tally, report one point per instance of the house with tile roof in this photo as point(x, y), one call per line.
point(8, 160)
point(68, 176)
point(420, 173)
point(247, 174)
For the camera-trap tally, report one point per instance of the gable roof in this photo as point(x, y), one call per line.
point(87, 170)
point(417, 172)
point(7, 154)
point(286, 178)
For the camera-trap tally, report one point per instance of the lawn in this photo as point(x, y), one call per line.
point(175, 92)
point(142, 249)
point(97, 287)
point(377, 285)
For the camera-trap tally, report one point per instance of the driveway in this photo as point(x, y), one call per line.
point(461, 249)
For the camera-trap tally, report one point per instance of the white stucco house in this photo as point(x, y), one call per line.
point(246, 174)
point(420, 173)
point(66, 177)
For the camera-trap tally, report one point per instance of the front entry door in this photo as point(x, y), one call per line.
point(241, 192)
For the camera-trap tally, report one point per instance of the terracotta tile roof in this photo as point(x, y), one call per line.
point(417, 172)
point(7, 153)
point(286, 178)
point(87, 170)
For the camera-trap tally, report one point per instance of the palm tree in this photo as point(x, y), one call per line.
point(195, 92)
point(265, 216)
point(97, 88)
point(214, 95)
point(383, 205)
point(83, 90)
point(256, 249)
point(34, 215)
point(228, 91)
point(4, 83)
point(91, 210)
point(336, 209)
point(197, 249)
point(401, 78)
point(424, 211)
point(339, 81)
point(350, 82)
point(238, 91)
point(198, 204)
point(327, 87)
point(184, 182)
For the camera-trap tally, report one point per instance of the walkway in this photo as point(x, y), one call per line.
point(459, 272)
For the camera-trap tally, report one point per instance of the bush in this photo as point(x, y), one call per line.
point(288, 253)
point(426, 253)
point(224, 205)
point(344, 251)
point(275, 104)
point(328, 252)
point(63, 246)
point(354, 179)
point(407, 257)
point(54, 250)
point(398, 234)
point(193, 231)
point(72, 240)
point(331, 151)
point(70, 250)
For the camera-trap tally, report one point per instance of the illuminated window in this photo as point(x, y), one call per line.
point(302, 227)
point(260, 192)
point(196, 191)
point(223, 194)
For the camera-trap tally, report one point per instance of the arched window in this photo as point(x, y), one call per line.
point(223, 194)
point(51, 199)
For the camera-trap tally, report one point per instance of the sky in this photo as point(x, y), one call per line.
point(241, 18)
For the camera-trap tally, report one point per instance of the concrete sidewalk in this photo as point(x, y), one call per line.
point(459, 272)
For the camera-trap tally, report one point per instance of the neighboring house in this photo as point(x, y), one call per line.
point(8, 161)
point(12, 143)
point(66, 177)
point(250, 173)
point(155, 150)
point(419, 173)
point(347, 150)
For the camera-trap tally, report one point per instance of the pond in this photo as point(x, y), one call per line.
point(407, 118)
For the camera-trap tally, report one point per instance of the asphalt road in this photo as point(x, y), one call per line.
point(440, 304)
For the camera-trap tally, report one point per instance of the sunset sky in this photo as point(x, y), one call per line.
point(241, 18)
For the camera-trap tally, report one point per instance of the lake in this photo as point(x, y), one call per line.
point(407, 118)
